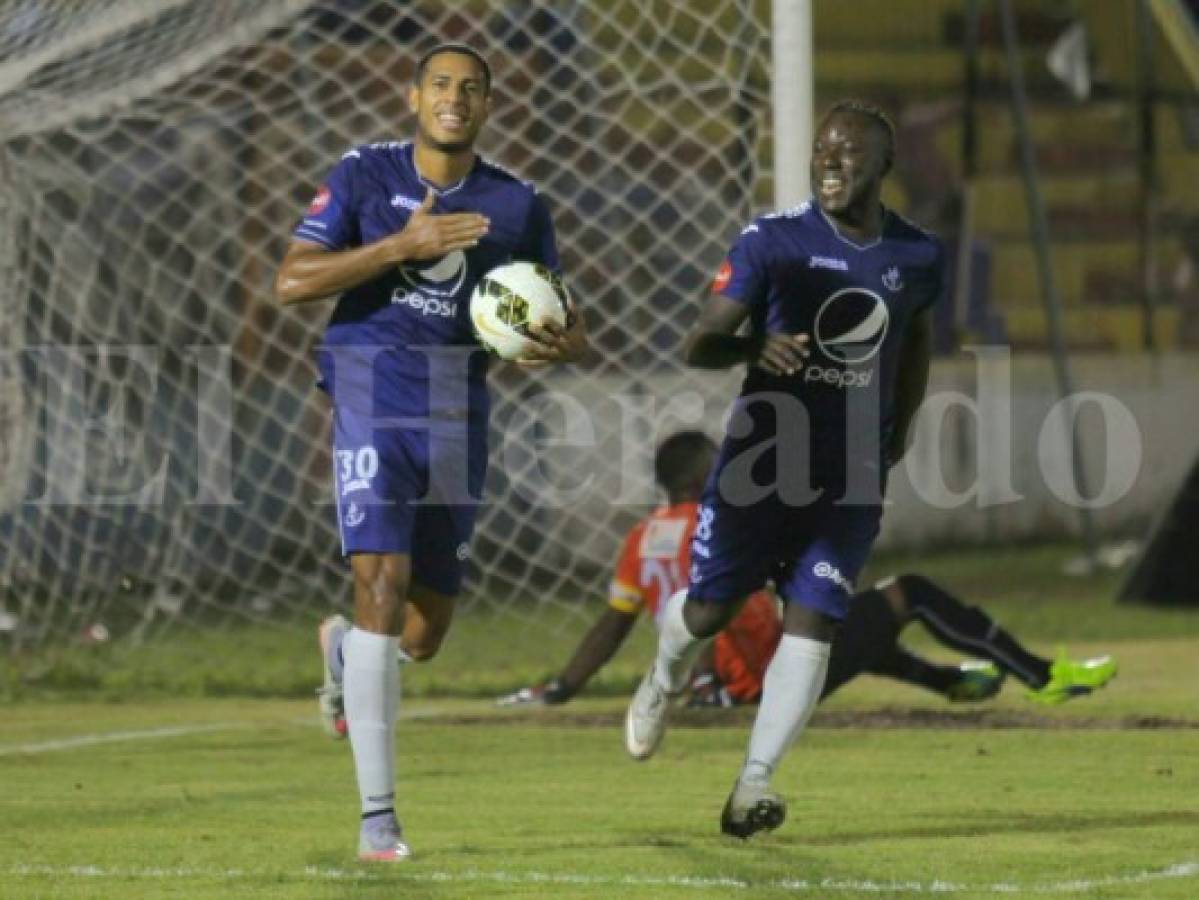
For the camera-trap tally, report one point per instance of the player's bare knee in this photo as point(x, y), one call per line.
point(706, 618)
point(803, 621)
point(422, 649)
point(423, 636)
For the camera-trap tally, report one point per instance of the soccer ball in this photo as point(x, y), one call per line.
point(510, 298)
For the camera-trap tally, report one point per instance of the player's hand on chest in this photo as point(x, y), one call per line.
point(437, 226)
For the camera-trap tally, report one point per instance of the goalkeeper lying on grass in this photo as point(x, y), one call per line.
point(652, 566)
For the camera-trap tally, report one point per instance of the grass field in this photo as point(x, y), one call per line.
point(122, 775)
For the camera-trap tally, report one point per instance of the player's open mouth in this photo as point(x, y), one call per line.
point(451, 121)
point(831, 184)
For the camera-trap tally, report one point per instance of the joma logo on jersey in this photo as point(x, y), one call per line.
point(405, 202)
point(850, 328)
point(828, 262)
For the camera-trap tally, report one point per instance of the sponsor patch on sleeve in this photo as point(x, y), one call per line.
point(319, 202)
point(723, 275)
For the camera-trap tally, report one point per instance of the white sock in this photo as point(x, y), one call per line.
point(677, 646)
point(790, 691)
point(372, 697)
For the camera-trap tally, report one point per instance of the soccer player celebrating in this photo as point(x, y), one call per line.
point(403, 232)
point(838, 295)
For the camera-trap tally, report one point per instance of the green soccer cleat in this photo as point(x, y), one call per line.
point(979, 680)
point(1068, 678)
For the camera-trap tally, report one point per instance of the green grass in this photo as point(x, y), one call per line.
point(491, 652)
point(891, 789)
point(265, 807)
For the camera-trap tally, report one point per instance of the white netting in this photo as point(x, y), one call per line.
point(153, 159)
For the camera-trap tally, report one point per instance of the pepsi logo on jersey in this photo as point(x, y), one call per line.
point(849, 330)
point(432, 287)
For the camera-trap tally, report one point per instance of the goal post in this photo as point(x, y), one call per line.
point(792, 91)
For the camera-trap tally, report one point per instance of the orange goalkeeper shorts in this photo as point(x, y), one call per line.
point(744, 649)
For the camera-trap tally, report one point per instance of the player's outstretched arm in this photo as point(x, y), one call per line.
point(598, 645)
point(312, 272)
point(911, 380)
point(713, 343)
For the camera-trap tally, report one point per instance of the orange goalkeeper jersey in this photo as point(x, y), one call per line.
point(654, 563)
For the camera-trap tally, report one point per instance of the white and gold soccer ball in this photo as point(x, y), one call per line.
point(510, 298)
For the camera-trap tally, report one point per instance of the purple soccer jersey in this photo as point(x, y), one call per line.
point(405, 312)
point(795, 495)
point(798, 274)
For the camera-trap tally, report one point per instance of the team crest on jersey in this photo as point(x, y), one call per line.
point(320, 202)
point(355, 515)
point(723, 275)
point(892, 280)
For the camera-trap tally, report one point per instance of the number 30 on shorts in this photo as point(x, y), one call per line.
point(356, 468)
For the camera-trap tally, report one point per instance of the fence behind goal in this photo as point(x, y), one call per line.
point(153, 160)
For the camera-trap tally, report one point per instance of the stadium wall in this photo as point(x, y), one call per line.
point(1137, 449)
point(1139, 468)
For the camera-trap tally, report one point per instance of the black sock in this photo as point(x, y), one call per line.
point(905, 666)
point(970, 630)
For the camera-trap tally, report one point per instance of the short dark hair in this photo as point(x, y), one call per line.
point(681, 461)
point(877, 117)
point(465, 50)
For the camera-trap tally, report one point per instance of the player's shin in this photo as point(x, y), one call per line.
point(790, 692)
point(677, 646)
point(372, 698)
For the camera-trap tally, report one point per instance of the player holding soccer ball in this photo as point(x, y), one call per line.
point(653, 564)
point(403, 231)
point(838, 294)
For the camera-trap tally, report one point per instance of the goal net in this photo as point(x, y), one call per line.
point(164, 455)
